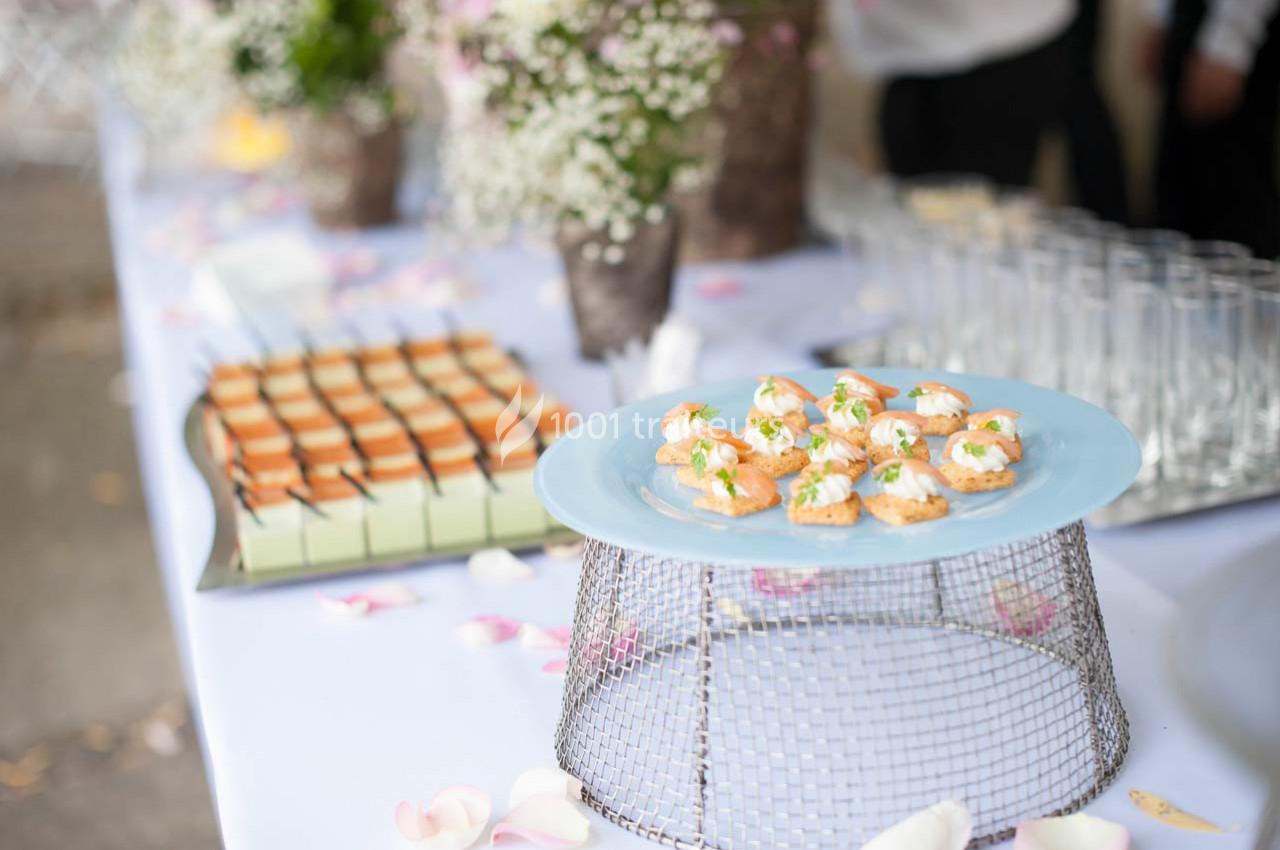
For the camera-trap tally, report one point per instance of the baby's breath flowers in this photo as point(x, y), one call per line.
point(322, 55)
point(573, 110)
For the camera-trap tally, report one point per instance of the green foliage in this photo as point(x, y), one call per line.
point(729, 487)
point(314, 53)
point(890, 474)
point(974, 450)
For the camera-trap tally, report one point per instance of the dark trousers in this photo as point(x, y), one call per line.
point(1093, 144)
point(1218, 180)
point(987, 121)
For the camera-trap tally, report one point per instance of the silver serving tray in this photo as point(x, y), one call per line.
point(224, 568)
point(1140, 503)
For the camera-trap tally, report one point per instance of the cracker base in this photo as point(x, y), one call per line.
point(734, 507)
point(671, 454)
point(879, 454)
point(897, 511)
point(845, 513)
point(779, 466)
point(943, 426)
point(967, 480)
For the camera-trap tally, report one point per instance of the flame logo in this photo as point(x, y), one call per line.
point(512, 431)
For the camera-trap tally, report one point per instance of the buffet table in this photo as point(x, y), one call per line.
point(314, 726)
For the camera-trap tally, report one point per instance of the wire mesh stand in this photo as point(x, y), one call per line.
point(723, 707)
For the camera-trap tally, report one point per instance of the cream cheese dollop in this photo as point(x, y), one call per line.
point(684, 427)
point(939, 403)
point(856, 387)
point(776, 401)
point(832, 450)
point(991, 459)
point(841, 415)
point(783, 439)
point(911, 485)
point(831, 489)
point(1007, 427)
point(720, 456)
point(720, 489)
point(885, 432)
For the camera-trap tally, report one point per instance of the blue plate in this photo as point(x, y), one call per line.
point(601, 480)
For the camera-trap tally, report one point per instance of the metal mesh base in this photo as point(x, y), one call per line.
point(731, 708)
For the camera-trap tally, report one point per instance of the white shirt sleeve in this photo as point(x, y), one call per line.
point(1234, 29)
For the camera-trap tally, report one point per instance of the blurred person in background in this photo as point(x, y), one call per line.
point(1217, 63)
point(971, 85)
point(1093, 142)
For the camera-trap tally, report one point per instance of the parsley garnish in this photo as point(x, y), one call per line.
point(992, 425)
point(903, 444)
point(698, 457)
point(767, 427)
point(860, 411)
point(841, 394)
point(817, 441)
point(889, 474)
point(768, 387)
point(706, 413)
point(916, 392)
point(974, 449)
point(809, 490)
point(727, 477)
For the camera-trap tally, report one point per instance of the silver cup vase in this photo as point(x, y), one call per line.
point(619, 291)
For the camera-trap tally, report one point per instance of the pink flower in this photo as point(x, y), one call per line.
point(611, 48)
point(468, 11)
point(727, 32)
point(784, 34)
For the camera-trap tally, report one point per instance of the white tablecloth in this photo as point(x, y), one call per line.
point(313, 727)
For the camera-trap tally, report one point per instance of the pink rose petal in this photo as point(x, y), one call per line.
point(1073, 832)
point(391, 594)
point(944, 826)
point(487, 630)
point(1021, 610)
point(545, 819)
point(544, 780)
point(354, 605)
point(718, 287)
point(455, 819)
point(556, 666)
point(536, 637)
point(784, 582)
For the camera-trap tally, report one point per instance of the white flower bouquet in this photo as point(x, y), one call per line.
point(581, 111)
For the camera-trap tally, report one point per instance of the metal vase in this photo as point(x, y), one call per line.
point(619, 291)
point(349, 174)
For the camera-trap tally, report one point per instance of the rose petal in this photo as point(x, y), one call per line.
point(454, 820)
point(488, 629)
point(944, 826)
point(391, 594)
point(536, 637)
point(354, 605)
point(410, 821)
point(498, 566)
point(1022, 611)
point(717, 287)
point(784, 582)
point(556, 666)
point(544, 780)
point(546, 820)
point(1073, 832)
